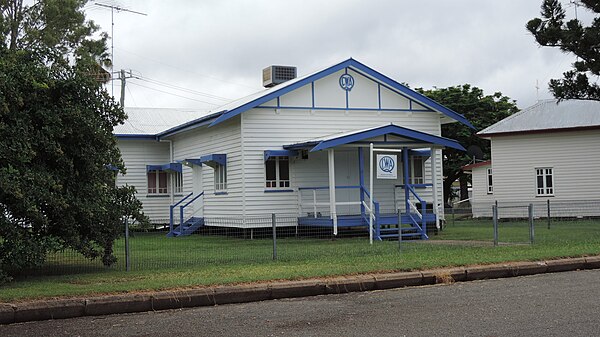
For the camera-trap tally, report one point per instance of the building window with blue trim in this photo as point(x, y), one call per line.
point(417, 170)
point(544, 181)
point(220, 177)
point(177, 182)
point(157, 182)
point(490, 182)
point(277, 172)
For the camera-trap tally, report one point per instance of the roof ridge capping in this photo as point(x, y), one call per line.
point(291, 85)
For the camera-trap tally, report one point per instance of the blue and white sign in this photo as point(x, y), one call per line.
point(387, 166)
point(346, 82)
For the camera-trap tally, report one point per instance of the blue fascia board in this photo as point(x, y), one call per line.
point(301, 146)
point(422, 153)
point(342, 65)
point(389, 129)
point(210, 159)
point(173, 167)
point(280, 153)
point(276, 93)
point(136, 136)
point(205, 120)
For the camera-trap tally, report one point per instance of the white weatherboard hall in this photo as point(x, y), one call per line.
point(548, 151)
point(344, 146)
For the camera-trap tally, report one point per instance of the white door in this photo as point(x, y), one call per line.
point(197, 188)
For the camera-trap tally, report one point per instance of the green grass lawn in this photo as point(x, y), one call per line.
point(159, 263)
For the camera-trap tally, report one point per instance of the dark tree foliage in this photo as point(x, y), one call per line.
point(571, 36)
point(56, 124)
point(482, 111)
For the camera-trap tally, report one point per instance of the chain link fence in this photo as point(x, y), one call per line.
point(282, 238)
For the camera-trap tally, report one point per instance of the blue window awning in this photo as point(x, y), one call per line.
point(111, 167)
point(280, 153)
point(170, 167)
point(213, 159)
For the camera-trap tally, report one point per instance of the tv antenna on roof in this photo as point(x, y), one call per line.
point(112, 33)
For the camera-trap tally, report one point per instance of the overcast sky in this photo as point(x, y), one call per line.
point(219, 47)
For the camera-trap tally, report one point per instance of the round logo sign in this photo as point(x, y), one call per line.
point(346, 82)
point(386, 164)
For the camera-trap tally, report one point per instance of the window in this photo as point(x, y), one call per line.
point(490, 184)
point(417, 170)
point(177, 182)
point(220, 177)
point(544, 181)
point(277, 172)
point(157, 182)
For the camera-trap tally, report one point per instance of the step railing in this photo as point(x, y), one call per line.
point(182, 209)
point(421, 214)
point(171, 207)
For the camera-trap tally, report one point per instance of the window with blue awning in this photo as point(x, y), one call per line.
point(169, 167)
point(213, 160)
point(280, 153)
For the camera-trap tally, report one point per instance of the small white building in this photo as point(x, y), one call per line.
point(300, 147)
point(549, 151)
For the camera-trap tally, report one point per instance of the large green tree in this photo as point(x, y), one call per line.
point(553, 30)
point(56, 138)
point(482, 111)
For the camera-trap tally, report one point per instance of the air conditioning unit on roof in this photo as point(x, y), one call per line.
point(274, 75)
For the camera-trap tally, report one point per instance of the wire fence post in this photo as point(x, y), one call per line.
point(548, 203)
point(274, 223)
point(399, 230)
point(127, 258)
point(531, 229)
point(495, 222)
point(452, 215)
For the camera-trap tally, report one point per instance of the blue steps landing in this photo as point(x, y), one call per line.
point(189, 227)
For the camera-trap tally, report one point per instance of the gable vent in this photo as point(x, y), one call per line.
point(274, 75)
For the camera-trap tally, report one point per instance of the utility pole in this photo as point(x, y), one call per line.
point(123, 76)
point(112, 34)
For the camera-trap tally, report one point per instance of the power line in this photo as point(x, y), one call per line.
point(190, 91)
point(187, 70)
point(170, 93)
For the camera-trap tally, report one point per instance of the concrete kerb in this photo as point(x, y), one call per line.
point(115, 304)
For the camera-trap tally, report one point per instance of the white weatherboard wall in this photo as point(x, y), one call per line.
point(136, 155)
point(270, 128)
point(481, 201)
point(574, 157)
point(221, 139)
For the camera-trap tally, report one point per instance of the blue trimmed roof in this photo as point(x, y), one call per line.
point(389, 129)
point(233, 110)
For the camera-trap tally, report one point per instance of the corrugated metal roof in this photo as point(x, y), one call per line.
point(151, 121)
point(548, 115)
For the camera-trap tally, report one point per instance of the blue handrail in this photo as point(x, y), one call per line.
point(181, 208)
point(171, 207)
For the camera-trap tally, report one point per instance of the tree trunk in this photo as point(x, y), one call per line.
point(464, 189)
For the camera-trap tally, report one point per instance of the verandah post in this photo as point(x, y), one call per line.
point(361, 180)
point(371, 193)
point(332, 205)
point(406, 177)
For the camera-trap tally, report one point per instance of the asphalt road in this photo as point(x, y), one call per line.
point(562, 304)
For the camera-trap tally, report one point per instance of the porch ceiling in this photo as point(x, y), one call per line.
point(410, 137)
